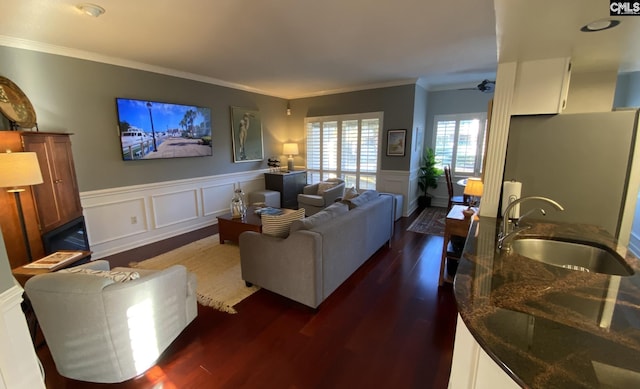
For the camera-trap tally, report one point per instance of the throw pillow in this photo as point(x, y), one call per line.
point(278, 225)
point(117, 276)
point(364, 197)
point(325, 186)
point(350, 193)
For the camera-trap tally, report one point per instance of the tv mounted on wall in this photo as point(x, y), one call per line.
point(152, 130)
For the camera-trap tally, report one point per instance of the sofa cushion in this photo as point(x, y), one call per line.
point(315, 200)
point(325, 186)
point(278, 225)
point(319, 218)
point(117, 276)
point(350, 193)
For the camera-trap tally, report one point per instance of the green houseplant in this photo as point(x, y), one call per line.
point(428, 176)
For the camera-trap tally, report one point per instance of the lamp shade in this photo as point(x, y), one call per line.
point(474, 187)
point(290, 149)
point(19, 169)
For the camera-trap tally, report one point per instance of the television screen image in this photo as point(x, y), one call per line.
point(153, 130)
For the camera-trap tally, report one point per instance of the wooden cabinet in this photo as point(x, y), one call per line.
point(456, 225)
point(541, 86)
point(288, 184)
point(46, 206)
point(472, 367)
point(57, 199)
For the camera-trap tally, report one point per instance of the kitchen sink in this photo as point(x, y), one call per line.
point(581, 256)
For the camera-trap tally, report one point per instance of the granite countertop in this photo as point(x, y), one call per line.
point(546, 326)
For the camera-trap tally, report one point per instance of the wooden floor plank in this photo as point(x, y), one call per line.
point(388, 325)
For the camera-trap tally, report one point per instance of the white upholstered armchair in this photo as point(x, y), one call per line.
point(315, 197)
point(101, 330)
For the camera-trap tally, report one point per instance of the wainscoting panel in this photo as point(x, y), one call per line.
point(397, 182)
point(128, 218)
point(120, 219)
point(215, 199)
point(173, 208)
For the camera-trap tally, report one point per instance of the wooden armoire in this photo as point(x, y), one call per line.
point(46, 206)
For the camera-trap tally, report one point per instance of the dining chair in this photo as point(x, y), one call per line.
point(453, 200)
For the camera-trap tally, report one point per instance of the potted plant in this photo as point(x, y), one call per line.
point(428, 176)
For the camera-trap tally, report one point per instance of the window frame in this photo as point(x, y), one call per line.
point(315, 175)
point(480, 147)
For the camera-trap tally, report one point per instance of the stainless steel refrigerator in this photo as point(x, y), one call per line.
point(580, 160)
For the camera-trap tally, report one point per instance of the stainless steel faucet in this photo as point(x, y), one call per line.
point(504, 235)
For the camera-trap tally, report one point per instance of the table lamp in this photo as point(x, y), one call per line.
point(473, 189)
point(290, 149)
point(20, 170)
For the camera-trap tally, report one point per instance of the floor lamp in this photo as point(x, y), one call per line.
point(18, 170)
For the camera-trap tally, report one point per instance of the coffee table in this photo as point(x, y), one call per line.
point(230, 228)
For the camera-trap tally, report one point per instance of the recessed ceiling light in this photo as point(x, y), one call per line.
point(600, 25)
point(91, 9)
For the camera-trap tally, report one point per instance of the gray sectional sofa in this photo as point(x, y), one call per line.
point(321, 251)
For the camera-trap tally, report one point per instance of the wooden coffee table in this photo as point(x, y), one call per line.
point(230, 229)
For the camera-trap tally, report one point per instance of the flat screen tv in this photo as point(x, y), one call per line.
point(153, 130)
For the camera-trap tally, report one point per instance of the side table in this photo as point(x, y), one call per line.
point(289, 184)
point(22, 274)
point(456, 224)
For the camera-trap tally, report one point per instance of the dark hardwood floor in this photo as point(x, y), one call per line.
point(388, 326)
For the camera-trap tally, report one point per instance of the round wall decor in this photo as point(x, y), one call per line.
point(15, 105)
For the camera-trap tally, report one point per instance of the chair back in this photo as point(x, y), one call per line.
point(447, 176)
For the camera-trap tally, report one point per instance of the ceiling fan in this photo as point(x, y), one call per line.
point(486, 86)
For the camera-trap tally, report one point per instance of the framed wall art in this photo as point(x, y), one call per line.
point(246, 132)
point(155, 130)
point(396, 143)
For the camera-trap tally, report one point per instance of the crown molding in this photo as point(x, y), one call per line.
point(90, 56)
point(95, 57)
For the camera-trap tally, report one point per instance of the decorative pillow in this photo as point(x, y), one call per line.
point(350, 193)
point(117, 276)
point(325, 186)
point(278, 225)
point(370, 194)
point(319, 218)
point(364, 197)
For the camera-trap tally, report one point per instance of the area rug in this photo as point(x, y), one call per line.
point(430, 221)
point(217, 270)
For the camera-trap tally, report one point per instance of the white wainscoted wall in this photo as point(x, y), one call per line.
point(123, 218)
point(440, 195)
point(120, 219)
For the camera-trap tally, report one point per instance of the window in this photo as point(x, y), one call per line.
point(460, 142)
point(344, 146)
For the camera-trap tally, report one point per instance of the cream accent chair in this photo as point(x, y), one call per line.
point(99, 330)
point(313, 202)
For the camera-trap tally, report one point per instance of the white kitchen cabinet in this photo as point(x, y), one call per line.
point(541, 86)
point(472, 367)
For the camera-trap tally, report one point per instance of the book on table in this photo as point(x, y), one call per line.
point(268, 211)
point(55, 261)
